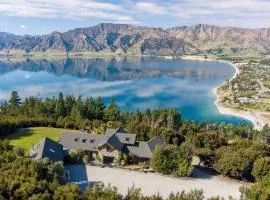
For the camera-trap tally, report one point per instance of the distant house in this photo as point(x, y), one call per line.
point(47, 148)
point(252, 99)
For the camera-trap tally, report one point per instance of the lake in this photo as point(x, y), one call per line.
point(135, 83)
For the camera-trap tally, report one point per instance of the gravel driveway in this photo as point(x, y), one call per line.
point(152, 183)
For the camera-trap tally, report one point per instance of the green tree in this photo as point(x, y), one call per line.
point(172, 160)
point(261, 168)
point(75, 114)
point(68, 192)
point(15, 100)
point(60, 106)
point(112, 112)
point(157, 160)
point(259, 191)
point(99, 108)
point(89, 111)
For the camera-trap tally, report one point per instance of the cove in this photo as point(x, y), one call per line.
point(135, 83)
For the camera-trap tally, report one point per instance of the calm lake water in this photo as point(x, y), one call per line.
point(135, 83)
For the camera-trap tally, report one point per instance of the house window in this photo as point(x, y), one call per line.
point(51, 150)
point(83, 140)
point(76, 139)
point(92, 141)
point(127, 139)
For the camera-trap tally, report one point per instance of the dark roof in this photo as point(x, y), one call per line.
point(112, 140)
point(126, 138)
point(82, 141)
point(156, 141)
point(116, 138)
point(114, 130)
point(146, 149)
point(47, 148)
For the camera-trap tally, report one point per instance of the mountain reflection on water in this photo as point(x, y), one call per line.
point(114, 69)
point(135, 83)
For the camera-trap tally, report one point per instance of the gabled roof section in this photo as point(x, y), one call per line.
point(47, 148)
point(112, 140)
point(82, 141)
point(141, 151)
point(156, 141)
point(126, 138)
point(146, 149)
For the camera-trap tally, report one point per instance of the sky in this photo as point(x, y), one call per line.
point(36, 17)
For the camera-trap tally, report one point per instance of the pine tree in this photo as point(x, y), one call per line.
point(112, 113)
point(15, 99)
point(89, 110)
point(75, 114)
point(60, 106)
point(100, 108)
point(69, 102)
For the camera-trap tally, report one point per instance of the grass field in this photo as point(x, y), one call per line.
point(28, 136)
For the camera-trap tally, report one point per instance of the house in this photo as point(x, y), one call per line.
point(109, 145)
point(47, 148)
point(253, 99)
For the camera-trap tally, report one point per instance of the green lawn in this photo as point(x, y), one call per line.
point(29, 136)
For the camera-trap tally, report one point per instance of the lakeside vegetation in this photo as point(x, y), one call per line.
point(250, 89)
point(234, 151)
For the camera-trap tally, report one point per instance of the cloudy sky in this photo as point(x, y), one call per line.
point(45, 16)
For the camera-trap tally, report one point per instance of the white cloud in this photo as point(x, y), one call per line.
point(71, 9)
point(150, 8)
point(254, 13)
point(22, 26)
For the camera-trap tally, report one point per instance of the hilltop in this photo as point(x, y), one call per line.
point(126, 39)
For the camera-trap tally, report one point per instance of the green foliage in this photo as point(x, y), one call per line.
point(69, 192)
point(112, 112)
point(86, 159)
point(259, 191)
point(60, 106)
point(73, 157)
point(193, 195)
point(237, 159)
point(14, 100)
point(100, 193)
point(24, 178)
point(135, 194)
point(261, 168)
point(172, 160)
point(206, 143)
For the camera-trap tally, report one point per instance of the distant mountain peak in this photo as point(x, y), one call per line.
point(137, 40)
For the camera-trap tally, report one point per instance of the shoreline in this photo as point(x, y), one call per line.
point(254, 117)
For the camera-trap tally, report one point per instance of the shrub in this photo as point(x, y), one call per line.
point(86, 159)
point(261, 168)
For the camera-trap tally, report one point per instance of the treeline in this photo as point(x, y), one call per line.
point(92, 114)
point(75, 113)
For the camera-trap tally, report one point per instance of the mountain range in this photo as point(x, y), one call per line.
point(123, 39)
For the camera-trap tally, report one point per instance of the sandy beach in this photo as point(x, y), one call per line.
point(257, 118)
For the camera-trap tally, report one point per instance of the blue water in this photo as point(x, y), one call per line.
point(135, 83)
